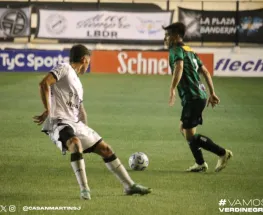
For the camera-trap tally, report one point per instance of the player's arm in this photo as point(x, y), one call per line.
point(203, 70)
point(44, 87)
point(213, 99)
point(177, 75)
point(83, 114)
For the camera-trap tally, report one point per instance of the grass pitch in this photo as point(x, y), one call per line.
point(132, 114)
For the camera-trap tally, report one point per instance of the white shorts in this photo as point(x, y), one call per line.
point(87, 135)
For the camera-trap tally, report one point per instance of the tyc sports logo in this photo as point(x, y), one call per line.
point(240, 205)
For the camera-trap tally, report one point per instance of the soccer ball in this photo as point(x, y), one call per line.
point(138, 161)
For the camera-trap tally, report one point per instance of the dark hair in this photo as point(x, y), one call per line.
point(77, 52)
point(176, 28)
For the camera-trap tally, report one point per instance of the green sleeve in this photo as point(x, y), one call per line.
point(178, 54)
point(175, 55)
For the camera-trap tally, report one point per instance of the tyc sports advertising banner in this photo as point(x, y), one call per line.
point(102, 25)
point(15, 22)
point(223, 26)
point(20, 60)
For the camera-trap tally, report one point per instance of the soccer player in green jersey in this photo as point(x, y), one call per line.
point(186, 67)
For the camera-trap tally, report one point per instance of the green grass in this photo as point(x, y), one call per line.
point(132, 114)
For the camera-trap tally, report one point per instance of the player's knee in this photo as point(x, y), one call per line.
point(189, 136)
point(104, 150)
point(74, 145)
point(189, 139)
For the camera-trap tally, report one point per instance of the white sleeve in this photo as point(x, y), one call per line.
point(59, 71)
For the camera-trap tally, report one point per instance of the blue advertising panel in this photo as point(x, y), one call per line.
point(31, 60)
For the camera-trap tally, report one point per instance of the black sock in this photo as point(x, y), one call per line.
point(76, 156)
point(196, 151)
point(207, 144)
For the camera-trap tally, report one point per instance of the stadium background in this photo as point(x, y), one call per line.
point(131, 112)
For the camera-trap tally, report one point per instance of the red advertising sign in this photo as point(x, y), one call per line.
point(138, 62)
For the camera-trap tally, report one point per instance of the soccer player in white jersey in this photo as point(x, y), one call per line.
point(65, 121)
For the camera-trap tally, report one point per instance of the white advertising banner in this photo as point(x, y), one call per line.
point(239, 65)
point(15, 22)
point(102, 25)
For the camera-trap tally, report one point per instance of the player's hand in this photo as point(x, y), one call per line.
point(213, 100)
point(40, 119)
point(172, 97)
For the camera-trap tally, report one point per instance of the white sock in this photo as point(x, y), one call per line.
point(78, 167)
point(120, 172)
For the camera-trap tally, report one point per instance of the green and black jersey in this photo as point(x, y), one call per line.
point(190, 86)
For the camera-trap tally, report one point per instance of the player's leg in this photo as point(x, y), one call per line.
point(92, 142)
point(188, 124)
point(209, 145)
point(114, 164)
point(200, 165)
point(194, 113)
point(73, 144)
